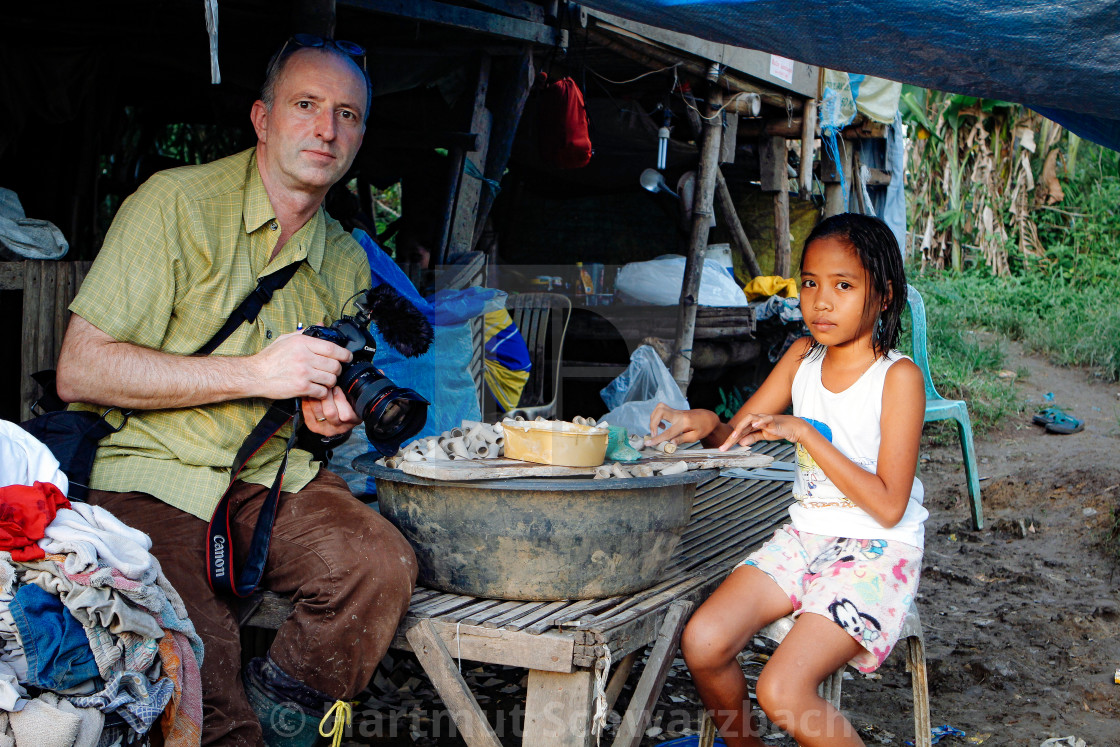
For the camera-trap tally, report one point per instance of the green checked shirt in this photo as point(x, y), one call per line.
point(182, 253)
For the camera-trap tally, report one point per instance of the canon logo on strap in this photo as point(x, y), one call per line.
point(219, 556)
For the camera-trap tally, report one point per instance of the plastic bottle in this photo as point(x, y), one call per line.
point(584, 277)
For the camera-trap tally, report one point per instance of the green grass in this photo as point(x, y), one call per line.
point(1064, 306)
point(964, 364)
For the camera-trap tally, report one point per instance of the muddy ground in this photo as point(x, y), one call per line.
point(1022, 618)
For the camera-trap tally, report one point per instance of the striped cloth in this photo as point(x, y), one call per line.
point(506, 362)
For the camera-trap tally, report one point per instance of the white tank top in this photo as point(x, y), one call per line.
point(850, 420)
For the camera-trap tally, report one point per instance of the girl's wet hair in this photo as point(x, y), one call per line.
point(875, 245)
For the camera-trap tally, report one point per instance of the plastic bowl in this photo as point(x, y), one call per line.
point(555, 442)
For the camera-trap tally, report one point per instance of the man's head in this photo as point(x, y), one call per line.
point(311, 116)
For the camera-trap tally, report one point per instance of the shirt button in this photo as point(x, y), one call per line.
point(268, 334)
point(273, 226)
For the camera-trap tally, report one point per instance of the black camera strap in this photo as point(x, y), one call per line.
point(219, 546)
point(219, 538)
point(251, 306)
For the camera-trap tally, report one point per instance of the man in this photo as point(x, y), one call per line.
point(181, 254)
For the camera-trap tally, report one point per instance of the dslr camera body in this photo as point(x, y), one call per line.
point(392, 414)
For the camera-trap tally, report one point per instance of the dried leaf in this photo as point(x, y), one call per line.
point(1051, 190)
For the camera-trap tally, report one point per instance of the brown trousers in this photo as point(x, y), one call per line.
point(348, 572)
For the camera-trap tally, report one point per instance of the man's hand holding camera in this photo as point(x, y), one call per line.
point(297, 365)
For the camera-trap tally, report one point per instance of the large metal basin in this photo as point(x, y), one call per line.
point(539, 538)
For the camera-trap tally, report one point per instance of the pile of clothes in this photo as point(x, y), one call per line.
point(95, 644)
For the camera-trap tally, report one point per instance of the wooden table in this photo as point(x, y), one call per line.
point(570, 646)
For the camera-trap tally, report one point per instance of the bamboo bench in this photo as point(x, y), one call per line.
point(569, 646)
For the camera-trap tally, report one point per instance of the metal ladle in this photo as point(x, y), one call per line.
point(652, 180)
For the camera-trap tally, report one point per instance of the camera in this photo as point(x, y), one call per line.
point(392, 414)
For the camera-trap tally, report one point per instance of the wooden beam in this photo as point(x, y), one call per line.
point(730, 138)
point(857, 163)
point(618, 679)
point(522, 9)
point(749, 61)
point(548, 652)
point(878, 178)
point(774, 176)
point(513, 89)
point(451, 686)
point(633, 726)
point(781, 233)
point(730, 216)
point(461, 238)
point(654, 57)
point(454, 16)
point(702, 205)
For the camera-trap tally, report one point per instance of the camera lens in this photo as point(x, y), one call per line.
point(392, 414)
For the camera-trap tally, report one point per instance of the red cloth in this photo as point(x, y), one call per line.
point(25, 512)
point(562, 128)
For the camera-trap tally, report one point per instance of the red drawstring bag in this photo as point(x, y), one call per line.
point(562, 125)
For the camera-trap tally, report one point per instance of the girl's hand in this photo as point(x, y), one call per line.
point(754, 428)
point(683, 425)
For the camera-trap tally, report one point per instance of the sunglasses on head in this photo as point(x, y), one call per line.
point(349, 48)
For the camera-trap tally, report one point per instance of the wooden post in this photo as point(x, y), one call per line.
point(698, 241)
point(513, 91)
point(808, 140)
point(461, 238)
point(730, 136)
point(48, 288)
point(857, 179)
point(558, 708)
point(781, 233)
point(775, 178)
point(456, 156)
point(634, 723)
point(451, 686)
point(738, 234)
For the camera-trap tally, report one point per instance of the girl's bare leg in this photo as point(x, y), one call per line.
point(787, 687)
point(742, 605)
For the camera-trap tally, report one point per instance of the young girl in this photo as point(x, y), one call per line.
point(847, 564)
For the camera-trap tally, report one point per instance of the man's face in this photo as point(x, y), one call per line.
point(310, 137)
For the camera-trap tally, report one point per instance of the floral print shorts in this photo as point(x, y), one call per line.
point(864, 586)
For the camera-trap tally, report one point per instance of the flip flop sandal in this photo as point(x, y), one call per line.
point(1064, 424)
point(1048, 416)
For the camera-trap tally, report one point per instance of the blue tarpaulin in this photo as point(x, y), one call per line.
point(1059, 57)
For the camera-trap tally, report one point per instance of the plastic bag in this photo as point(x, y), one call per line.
point(658, 282)
point(634, 394)
point(442, 375)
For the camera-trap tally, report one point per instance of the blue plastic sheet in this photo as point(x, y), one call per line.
point(1055, 56)
point(442, 375)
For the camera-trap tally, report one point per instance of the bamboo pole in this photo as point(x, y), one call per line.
point(698, 241)
point(738, 233)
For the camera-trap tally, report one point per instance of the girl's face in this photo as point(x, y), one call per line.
point(834, 294)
